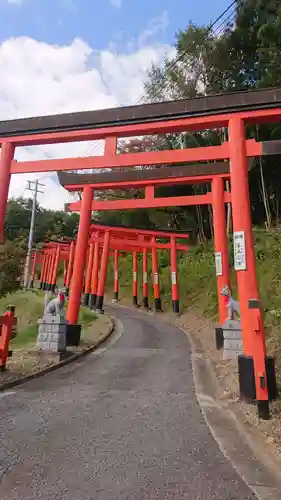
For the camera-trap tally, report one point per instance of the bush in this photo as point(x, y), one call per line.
point(11, 266)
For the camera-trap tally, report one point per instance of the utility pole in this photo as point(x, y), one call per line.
point(33, 187)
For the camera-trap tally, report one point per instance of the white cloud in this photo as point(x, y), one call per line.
point(15, 2)
point(116, 3)
point(38, 79)
point(156, 25)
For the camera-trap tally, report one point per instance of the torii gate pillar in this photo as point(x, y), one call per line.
point(6, 156)
point(144, 279)
point(221, 250)
point(103, 273)
point(116, 276)
point(80, 256)
point(244, 257)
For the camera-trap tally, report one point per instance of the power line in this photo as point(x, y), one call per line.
point(208, 31)
point(92, 149)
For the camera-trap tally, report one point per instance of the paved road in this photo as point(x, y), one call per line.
point(122, 425)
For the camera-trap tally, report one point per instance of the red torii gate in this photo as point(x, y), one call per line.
point(46, 256)
point(232, 111)
point(214, 173)
point(126, 239)
point(51, 254)
point(138, 240)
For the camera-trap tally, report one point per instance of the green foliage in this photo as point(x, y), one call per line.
point(26, 336)
point(11, 262)
point(246, 55)
point(29, 308)
point(86, 317)
point(48, 223)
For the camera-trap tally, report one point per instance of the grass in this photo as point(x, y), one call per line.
point(29, 308)
point(25, 337)
point(86, 317)
point(197, 283)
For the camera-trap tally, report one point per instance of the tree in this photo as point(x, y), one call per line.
point(11, 265)
point(48, 223)
point(247, 55)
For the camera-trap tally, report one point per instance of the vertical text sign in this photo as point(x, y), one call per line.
point(239, 251)
point(218, 260)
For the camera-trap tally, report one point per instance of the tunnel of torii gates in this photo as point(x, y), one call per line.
point(231, 112)
point(103, 241)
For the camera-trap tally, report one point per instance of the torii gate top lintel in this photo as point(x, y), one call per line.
point(214, 110)
point(184, 174)
point(128, 231)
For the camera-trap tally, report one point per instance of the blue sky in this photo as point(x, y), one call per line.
point(95, 54)
point(103, 22)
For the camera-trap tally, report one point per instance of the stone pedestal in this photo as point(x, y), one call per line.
point(232, 339)
point(52, 333)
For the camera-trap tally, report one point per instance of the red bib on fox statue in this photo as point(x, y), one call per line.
point(61, 297)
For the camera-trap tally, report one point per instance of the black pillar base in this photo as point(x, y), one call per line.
point(73, 335)
point(41, 285)
point(86, 299)
point(115, 297)
point(45, 286)
point(135, 301)
point(219, 338)
point(67, 292)
point(53, 287)
point(145, 303)
point(263, 410)
point(93, 301)
point(99, 304)
point(247, 383)
point(176, 306)
point(31, 284)
point(157, 305)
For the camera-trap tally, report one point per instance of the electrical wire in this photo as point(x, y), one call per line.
point(208, 31)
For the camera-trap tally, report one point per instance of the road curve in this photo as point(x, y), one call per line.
point(124, 424)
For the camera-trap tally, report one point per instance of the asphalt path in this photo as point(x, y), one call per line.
point(121, 424)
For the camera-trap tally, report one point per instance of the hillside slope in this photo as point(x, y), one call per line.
point(197, 282)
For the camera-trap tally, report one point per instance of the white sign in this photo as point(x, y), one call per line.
point(239, 251)
point(155, 278)
point(218, 259)
point(145, 277)
point(134, 276)
point(174, 278)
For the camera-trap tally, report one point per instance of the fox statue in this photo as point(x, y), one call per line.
point(55, 306)
point(232, 305)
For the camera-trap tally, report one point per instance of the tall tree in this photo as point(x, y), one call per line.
point(247, 55)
